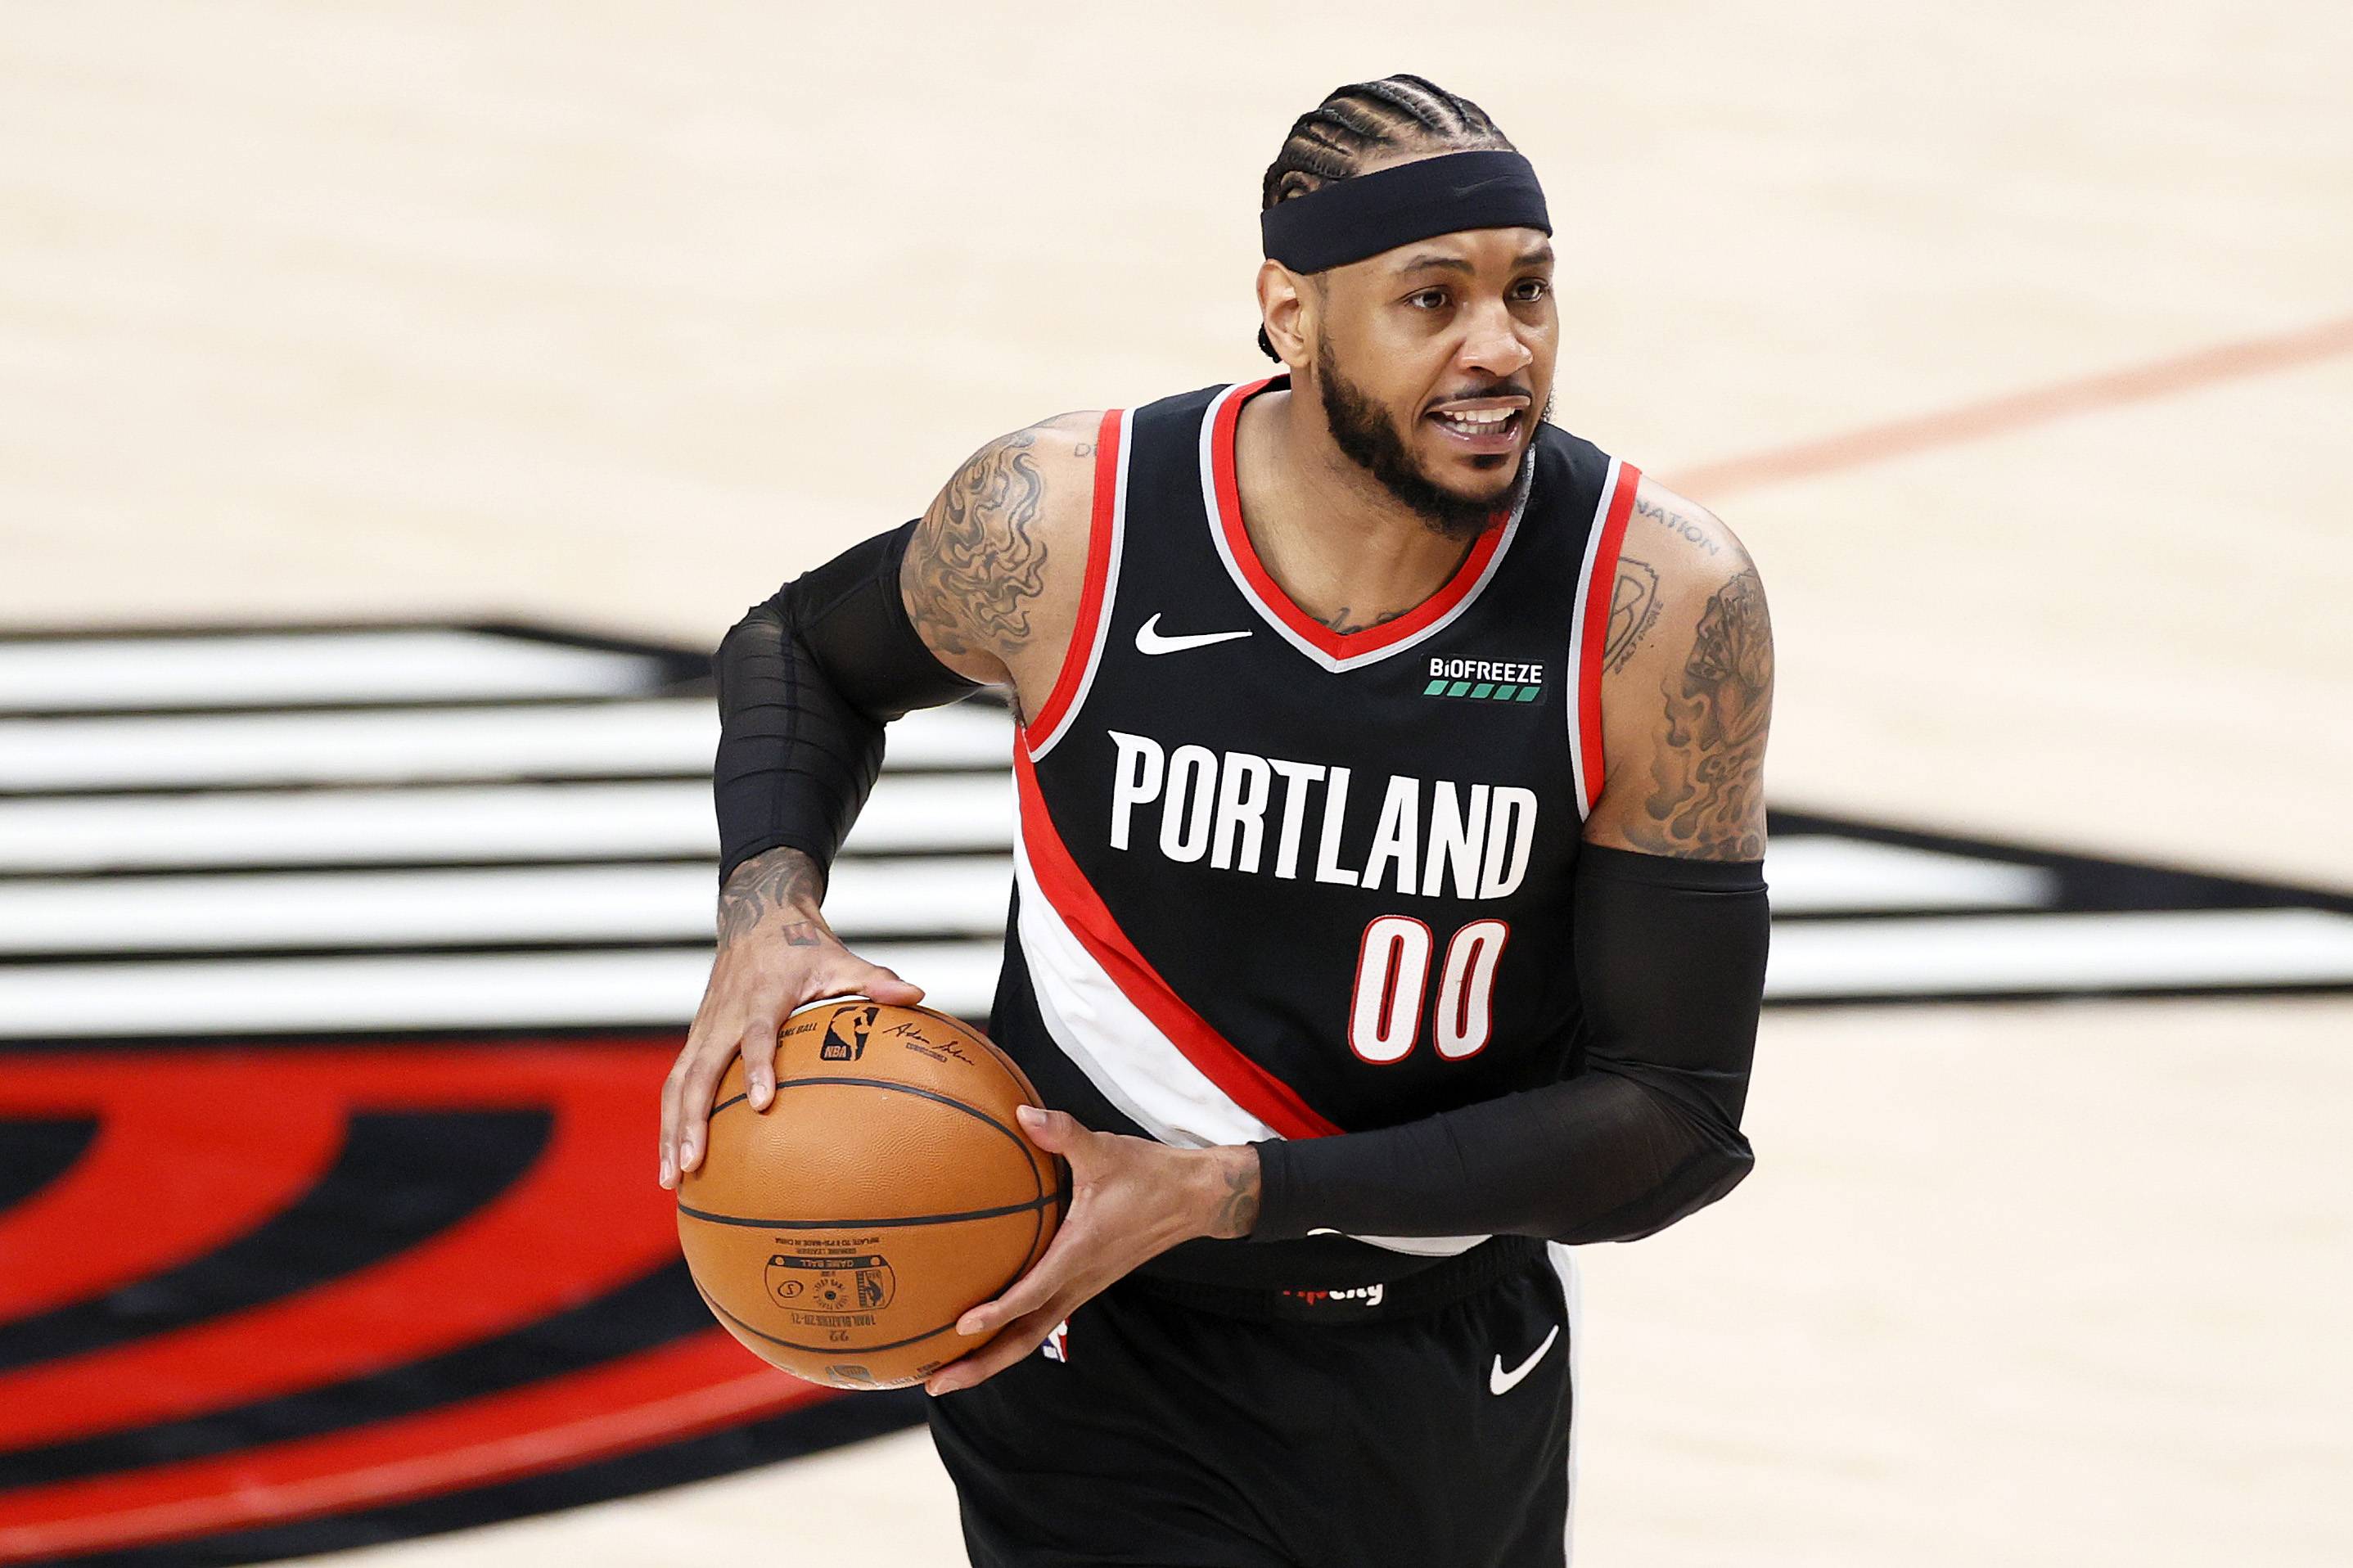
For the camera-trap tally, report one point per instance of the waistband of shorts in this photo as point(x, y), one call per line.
point(1421, 1290)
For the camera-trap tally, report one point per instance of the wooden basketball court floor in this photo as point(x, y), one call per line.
point(2015, 339)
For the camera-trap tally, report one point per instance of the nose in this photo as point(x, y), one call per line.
point(1494, 345)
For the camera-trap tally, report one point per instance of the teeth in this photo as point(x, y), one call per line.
point(1478, 419)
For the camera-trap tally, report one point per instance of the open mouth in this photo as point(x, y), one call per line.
point(1482, 429)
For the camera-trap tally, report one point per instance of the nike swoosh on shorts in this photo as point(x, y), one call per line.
point(1501, 1382)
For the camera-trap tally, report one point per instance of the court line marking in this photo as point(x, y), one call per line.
point(2020, 410)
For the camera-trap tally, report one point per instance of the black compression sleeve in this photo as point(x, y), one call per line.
point(1670, 964)
point(807, 681)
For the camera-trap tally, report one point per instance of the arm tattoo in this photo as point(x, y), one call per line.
point(1633, 605)
point(1674, 522)
point(975, 564)
point(1237, 1214)
point(1706, 803)
point(776, 880)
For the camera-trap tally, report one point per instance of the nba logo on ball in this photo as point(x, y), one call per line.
point(845, 1033)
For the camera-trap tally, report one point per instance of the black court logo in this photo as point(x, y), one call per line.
point(845, 1031)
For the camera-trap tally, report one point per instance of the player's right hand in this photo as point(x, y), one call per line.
point(776, 955)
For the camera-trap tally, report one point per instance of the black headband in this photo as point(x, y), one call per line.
point(1351, 219)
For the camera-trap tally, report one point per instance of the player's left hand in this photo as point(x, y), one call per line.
point(1131, 1200)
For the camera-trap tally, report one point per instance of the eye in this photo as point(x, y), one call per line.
point(1528, 290)
point(1428, 299)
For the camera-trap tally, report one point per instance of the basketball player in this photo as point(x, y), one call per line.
point(1388, 907)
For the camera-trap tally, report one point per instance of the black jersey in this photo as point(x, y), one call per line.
point(1273, 880)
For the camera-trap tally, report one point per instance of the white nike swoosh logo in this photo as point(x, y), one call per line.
point(1150, 640)
point(1501, 1382)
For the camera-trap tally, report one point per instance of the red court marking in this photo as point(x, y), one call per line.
point(675, 1390)
point(567, 1230)
point(196, 1173)
point(2001, 416)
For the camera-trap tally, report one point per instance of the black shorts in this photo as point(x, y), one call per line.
point(1187, 1427)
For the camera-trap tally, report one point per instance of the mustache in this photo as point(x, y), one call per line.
point(1497, 389)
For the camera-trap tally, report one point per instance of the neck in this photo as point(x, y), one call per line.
point(1346, 551)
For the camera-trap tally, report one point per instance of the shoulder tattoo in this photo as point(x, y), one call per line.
point(1706, 801)
point(1633, 606)
point(977, 563)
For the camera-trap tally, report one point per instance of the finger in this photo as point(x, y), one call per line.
point(698, 1038)
point(1020, 1338)
point(1032, 1291)
point(873, 980)
point(1056, 1131)
point(670, 1107)
point(758, 1047)
point(694, 1105)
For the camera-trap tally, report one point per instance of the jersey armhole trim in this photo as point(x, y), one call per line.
point(1589, 631)
point(1105, 528)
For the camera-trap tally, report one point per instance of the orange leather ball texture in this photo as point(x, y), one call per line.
point(886, 1191)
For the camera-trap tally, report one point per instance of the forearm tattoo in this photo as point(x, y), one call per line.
point(1707, 801)
point(777, 880)
point(975, 566)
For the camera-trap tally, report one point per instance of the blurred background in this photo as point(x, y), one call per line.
point(399, 400)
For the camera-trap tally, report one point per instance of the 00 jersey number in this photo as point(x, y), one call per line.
point(1392, 983)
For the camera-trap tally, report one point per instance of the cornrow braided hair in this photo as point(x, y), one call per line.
point(1354, 123)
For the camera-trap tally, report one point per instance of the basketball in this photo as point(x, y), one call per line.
point(886, 1191)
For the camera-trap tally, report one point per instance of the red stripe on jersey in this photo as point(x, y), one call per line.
point(1339, 645)
point(1245, 1081)
point(1601, 590)
point(1088, 630)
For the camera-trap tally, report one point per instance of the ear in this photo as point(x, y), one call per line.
point(1285, 307)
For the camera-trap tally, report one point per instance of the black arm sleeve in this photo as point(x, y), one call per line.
point(1670, 961)
point(807, 681)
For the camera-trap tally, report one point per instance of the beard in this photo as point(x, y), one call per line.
point(1363, 432)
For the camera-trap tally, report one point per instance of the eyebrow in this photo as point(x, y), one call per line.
point(1542, 253)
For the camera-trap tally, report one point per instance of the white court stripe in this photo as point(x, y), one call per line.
point(296, 668)
point(1938, 955)
point(908, 812)
point(868, 898)
point(1817, 872)
point(539, 990)
point(671, 736)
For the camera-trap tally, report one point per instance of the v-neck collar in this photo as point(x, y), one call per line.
point(1221, 497)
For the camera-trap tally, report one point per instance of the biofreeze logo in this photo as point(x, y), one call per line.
point(1484, 680)
point(1273, 816)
